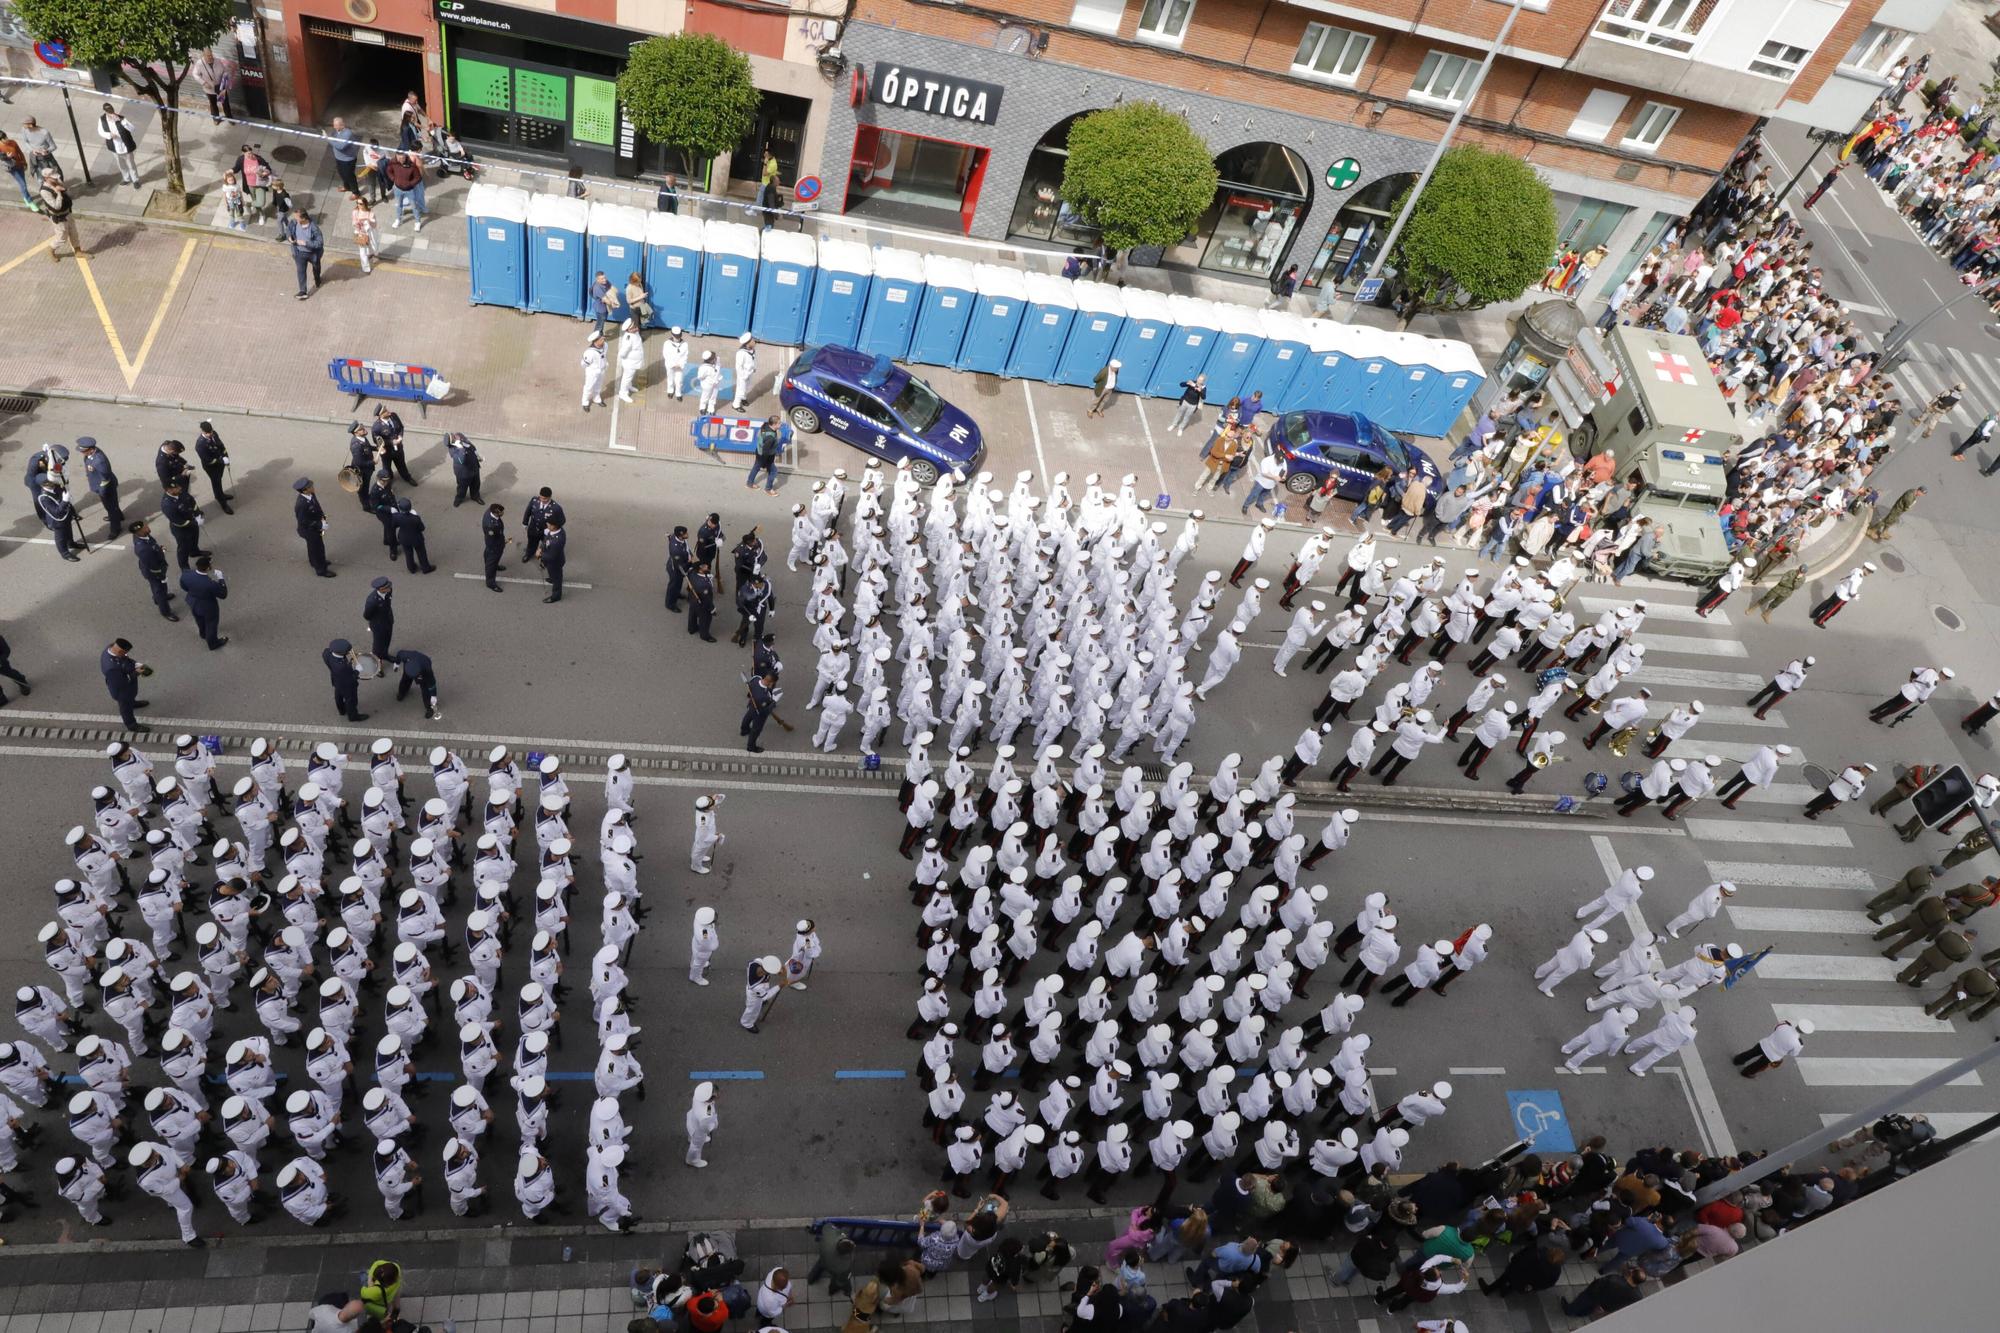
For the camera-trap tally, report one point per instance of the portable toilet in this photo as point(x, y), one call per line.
point(1458, 377)
point(944, 312)
point(894, 299)
point(1391, 378)
point(840, 292)
point(1188, 345)
point(1287, 345)
point(1148, 320)
point(1229, 362)
point(617, 242)
point(1368, 361)
point(728, 278)
point(1044, 327)
point(784, 287)
point(496, 220)
point(1093, 337)
point(673, 268)
point(1000, 298)
point(1314, 387)
point(556, 254)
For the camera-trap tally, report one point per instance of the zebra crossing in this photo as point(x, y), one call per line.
point(1933, 368)
point(1801, 887)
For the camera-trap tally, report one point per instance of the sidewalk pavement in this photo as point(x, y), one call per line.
point(515, 1280)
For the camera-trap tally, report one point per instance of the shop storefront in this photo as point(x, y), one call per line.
point(353, 58)
point(1355, 238)
point(929, 175)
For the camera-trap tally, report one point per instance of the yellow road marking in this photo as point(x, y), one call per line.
point(127, 367)
point(26, 254)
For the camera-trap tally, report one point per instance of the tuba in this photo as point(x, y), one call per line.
point(1541, 759)
point(1621, 740)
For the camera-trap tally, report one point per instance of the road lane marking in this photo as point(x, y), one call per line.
point(1829, 967)
point(1792, 876)
point(726, 1075)
point(1875, 1071)
point(1769, 831)
point(1720, 715)
point(128, 367)
point(1697, 678)
point(870, 1073)
point(1865, 1017)
point(25, 256)
point(1145, 427)
point(1689, 645)
point(1803, 920)
point(1476, 1069)
point(1035, 429)
point(1692, 748)
point(532, 583)
point(1657, 610)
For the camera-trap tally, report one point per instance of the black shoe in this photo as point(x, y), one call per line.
point(357, 717)
point(217, 644)
point(326, 573)
point(142, 703)
point(494, 587)
point(708, 638)
point(558, 599)
point(754, 749)
point(171, 616)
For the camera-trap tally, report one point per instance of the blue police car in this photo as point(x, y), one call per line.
point(875, 405)
point(1346, 446)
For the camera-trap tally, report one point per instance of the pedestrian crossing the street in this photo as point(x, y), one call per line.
point(1800, 889)
point(1932, 369)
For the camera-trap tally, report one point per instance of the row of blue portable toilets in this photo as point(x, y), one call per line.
point(541, 252)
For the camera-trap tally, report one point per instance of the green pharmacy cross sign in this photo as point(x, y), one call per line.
point(1343, 173)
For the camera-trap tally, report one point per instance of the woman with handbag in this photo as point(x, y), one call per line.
point(116, 131)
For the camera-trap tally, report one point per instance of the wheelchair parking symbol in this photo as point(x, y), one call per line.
point(1538, 1117)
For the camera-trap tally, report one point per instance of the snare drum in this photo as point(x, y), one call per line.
point(366, 665)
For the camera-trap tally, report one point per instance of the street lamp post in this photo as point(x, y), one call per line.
point(1900, 335)
point(1437, 154)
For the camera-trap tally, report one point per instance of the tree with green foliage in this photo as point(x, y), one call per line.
point(689, 91)
point(1482, 232)
point(147, 42)
point(1139, 174)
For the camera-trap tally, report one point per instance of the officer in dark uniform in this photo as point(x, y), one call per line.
point(748, 556)
point(208, 447)
point(753, 603)
point(708, 545)
point(764, 659)
point(311, 522)
point(57, 515)
point(382, 504)
point(380, 615)
point(555, 550)
point(701, 601)
point(183, 522)
point(416, 669)
point(170, 463)
point(204, 590)
point(410, 527)
point(103, 484)
point(493, 526)
point(679, 558)
point(388, 433)
point(464, 468)
point(152, 566)
point(764, 696)
point(361, 457)
point(7, 670)
point(346, 680)
point(44, 463)
point(535, 518)
point(121, 678)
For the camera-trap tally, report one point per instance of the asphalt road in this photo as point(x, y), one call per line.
point(608, 667)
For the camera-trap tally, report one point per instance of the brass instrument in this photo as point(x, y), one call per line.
point(1541, 759)
point(1621, 740)
point(1652, 736)
point(350, 480)
point(1597, 705)
point(1409, 711)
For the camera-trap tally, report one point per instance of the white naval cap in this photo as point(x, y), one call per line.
point(381, 745)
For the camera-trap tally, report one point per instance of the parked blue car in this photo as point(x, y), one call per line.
point(878, 407)
point(1318, 445)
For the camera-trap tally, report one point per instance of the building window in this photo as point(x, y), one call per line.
point(1671, 25)
point(1649, 128)
point(1333, 54)
point(1444, 77)
point(1779, 61)
point(1165, 21)
point(1098, 15)
point(1878, 49)
point(1600, 112)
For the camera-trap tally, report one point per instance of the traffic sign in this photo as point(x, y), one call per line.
point(53, 54)
point(807, 189)
point(1941, 797)
point(1343, 173)
point(1538, 1117)
point(1368, 292)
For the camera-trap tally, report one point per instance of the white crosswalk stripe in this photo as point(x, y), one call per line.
point(1870, 1071)
point(1691, 645)
point(1696, 748)
point(1782, 966)
point(1793, 876)
point(1806, 920)
point(1781, 793)
point(1696, 678)
point(1867, 1018)
point(1718, 715)
point(1656, 610)
point(1751, 830)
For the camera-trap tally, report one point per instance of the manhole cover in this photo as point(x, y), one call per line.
point(13, 404)
point(1895, 562)
point(1948, 618)
point(1992, 330)
point(986, 386)
point(1818, 777)
point(290, 154)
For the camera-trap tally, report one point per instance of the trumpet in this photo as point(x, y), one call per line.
point(1652, 735)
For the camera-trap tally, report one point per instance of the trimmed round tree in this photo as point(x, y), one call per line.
point(1482, 232)
point(689, 91)
point(1139, 174)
